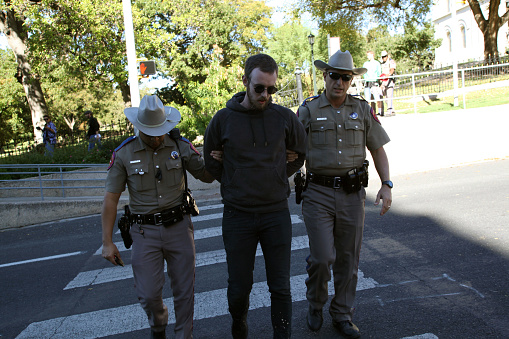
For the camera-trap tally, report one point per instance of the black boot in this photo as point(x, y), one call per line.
point(158, 335)
point(239, 328)
point(314, 319)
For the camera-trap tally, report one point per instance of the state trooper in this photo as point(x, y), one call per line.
point(339, 128)
point(152, 165)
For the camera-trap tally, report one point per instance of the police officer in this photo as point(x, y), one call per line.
point(151, 165)
point(339, 128)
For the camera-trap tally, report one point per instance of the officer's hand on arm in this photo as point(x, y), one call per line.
point(108, 216)
point(291, 156)
point(382, 167)
point(217, 155)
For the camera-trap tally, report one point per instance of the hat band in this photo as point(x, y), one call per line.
point(158, 125)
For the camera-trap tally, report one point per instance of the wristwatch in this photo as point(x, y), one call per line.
point(388, 183)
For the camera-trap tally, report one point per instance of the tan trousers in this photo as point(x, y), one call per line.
point(334, 222)
point(175, 245)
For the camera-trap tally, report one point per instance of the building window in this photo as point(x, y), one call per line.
point(463, 31)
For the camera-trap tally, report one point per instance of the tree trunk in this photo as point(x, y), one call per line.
point(490, 45)
point(126, 92)
point(12, 27)
point(490, 27)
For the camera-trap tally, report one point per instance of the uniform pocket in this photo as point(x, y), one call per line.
point(139, 177)
point(323, 132)
point(174, 171)
point(355, 132)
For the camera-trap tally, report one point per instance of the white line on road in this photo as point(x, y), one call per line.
point(42, 259)
point(114, 273)
point(99, 323)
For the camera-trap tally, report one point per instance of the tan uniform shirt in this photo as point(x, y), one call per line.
point(337, 138)
point(136, 165)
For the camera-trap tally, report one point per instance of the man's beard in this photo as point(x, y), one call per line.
point(254, 102)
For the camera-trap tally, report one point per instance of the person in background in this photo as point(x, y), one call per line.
point(388, 66)
point(372, 91)
point(93, 135)
point(340, 127)
point(49, 136)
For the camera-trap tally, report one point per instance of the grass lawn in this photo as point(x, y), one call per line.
point(481, 98)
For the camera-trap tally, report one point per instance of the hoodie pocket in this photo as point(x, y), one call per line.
point(256, 186)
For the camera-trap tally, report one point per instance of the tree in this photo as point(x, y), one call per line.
point(201, 29)
point(13, 25)
point(416, 47)
point(349, 16)
point(290, 47)
point(14, 111)
point(489, 27)
point(87, 38)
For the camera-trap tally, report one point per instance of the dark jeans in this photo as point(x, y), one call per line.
point(241, 233)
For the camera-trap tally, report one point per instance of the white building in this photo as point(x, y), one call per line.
point(461, 35)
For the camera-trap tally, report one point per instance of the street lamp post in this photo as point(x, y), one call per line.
point(311, 39)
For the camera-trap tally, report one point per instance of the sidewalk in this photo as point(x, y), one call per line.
point(419, 142)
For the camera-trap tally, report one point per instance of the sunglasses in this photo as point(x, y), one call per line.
point(337, 76)
point(260, 88)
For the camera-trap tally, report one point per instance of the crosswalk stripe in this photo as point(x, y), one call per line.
point(115, 273)
point(101, 323)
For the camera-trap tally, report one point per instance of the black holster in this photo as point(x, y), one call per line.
point(300, 182)
point(356, 178)
point(124, 225)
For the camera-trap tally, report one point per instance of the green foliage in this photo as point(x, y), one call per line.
point(207, 33)
point(417, 46)
point(350, 16)
point(201, 100)
point(77, 154)
point(290, 47)
point(15, 117)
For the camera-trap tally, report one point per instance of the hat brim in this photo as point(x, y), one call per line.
point(172, 119)
point(323, 66)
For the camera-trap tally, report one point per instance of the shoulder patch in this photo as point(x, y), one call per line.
point(373, 115)
point(125, 142)
point(309, 99)
point(190, 145)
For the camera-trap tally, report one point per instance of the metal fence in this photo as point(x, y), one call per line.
point(51, 180)
point(432, 84)
point(65, 138)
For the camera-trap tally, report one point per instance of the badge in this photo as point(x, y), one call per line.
point(174, 155)
point(354, 115)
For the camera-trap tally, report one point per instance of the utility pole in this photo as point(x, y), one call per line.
point(311, 39)
point(454, 50)
point(131, 54)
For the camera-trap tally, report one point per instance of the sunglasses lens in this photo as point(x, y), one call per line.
point(337, 76)
point(260, 88)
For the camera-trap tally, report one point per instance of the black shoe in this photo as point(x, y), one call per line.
point(314, 319)
point(158, 335)
point(347, 329)
point(239, 329)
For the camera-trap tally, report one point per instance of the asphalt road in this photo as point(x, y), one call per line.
point(436, 266)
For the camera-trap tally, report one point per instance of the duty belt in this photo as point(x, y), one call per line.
point(167, 217)
point(323, 180)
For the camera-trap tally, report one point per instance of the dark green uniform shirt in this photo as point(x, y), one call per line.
point(337, 138)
